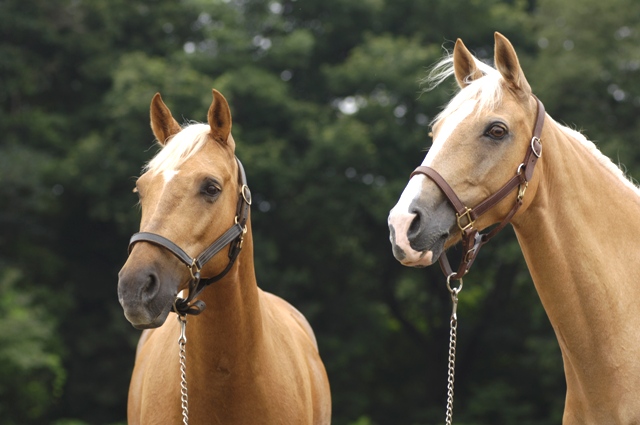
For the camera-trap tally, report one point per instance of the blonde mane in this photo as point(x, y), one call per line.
point(604, 160)
point(182, 146)
point(487, 92)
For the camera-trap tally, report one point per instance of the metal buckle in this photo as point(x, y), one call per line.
point(241, 236)
point(194, 266)
point(522, 188)
point(244, 228)
point(246, 194)
point(535, 139)
point(467, 214)
point(470, 255)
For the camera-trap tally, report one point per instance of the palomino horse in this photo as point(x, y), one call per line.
point(575, 224)
point(251, 357)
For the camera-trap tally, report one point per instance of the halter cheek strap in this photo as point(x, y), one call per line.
point(466, 217)
point(233, 237)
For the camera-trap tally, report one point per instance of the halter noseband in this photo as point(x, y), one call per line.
point(472, 240)
point(234, 236)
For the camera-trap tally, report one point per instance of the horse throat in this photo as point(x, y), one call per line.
point(578, 240)
point(230, 329)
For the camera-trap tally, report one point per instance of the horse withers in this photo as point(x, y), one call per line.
point(251, 357)
point(574, 217)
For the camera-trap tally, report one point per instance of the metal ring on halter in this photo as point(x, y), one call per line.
point(182, 318)
point(519, 170)
point(244, 228)
point(456, 289)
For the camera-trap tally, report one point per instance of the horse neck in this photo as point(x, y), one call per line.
point(230, 328)
point(579, 238)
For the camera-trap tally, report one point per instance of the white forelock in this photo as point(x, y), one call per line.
point(179, 148)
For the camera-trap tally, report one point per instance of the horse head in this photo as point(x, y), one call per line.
point(188, 194)
point(479, 141)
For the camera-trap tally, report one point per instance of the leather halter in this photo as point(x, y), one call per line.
point(234, 237)
point(472, 240)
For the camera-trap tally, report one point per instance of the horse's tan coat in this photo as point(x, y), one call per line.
point(251, 357)
point(578, 230)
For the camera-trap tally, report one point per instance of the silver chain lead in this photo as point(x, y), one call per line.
point(453, 338)
point(182, 343)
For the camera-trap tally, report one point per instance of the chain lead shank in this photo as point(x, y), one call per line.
point(453, 337)
point(182, 343)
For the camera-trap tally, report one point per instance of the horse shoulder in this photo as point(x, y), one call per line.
point(290, 315)
point(147, 385)
point(295, 332)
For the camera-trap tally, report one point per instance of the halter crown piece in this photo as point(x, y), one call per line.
point(233, 237)
point(472, 240)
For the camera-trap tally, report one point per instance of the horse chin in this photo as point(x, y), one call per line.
point(427, 256)
point(419, 259)
point(141, 323)
point(146, 293)
point(147, 314)
point(422, 259)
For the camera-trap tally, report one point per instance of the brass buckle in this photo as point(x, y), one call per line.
point(241, 236)
point(467, 214)
point(522, 190)
point(244, 228)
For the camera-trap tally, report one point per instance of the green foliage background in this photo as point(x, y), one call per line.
point(329, 121)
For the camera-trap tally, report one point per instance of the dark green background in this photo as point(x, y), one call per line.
point(76, 79)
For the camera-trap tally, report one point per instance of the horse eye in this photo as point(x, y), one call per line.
point(497, 132)
point(211, 190)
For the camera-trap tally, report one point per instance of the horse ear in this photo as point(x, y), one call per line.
point(219, 118)
point(162, 122)
point(464, 65)
point(507, 64)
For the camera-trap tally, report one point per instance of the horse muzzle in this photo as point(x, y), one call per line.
point(418, 236)
point(146, 294)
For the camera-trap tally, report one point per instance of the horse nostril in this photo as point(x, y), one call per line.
point(414, 227)
point(150, 288)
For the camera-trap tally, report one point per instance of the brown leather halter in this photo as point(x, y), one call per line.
point(234, 237)
point(472, 240)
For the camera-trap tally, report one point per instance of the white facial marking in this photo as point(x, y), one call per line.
point(414, 187)
point(448, 126)
point(410, 192)
point(400, 218)
point(168, 175)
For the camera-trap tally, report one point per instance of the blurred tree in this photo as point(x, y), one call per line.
point(601, 96)
point(31, 371)
point(329, 120)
